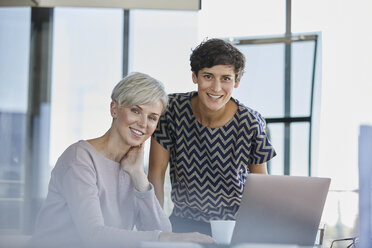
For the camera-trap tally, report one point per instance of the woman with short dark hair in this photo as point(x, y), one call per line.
point(211, 141)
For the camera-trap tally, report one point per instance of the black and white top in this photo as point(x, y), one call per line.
point(209, 166)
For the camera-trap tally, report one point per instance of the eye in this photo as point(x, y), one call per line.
point(153, 118)
point(207, 76)
point(134, 110)
point(227, 78)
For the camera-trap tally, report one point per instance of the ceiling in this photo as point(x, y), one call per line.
point(124, 4)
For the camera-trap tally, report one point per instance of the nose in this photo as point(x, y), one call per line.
point(216, 86)
point(142, 121)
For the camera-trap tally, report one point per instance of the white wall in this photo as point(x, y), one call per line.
point(346, 80)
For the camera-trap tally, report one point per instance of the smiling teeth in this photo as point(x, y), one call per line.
point(215, 97)
point(137, 132)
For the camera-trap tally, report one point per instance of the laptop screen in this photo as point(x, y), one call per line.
point(280, 209)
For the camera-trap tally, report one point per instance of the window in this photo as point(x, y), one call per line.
point(289, 101)
point(160, 45)
point(87, 64)
point(14, 62)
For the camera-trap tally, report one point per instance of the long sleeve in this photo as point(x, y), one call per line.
point(82, 197)
point(92, 203)
point(150, 215)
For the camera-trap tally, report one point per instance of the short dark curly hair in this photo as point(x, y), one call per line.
point(217, 52)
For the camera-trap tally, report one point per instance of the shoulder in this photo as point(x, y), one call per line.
point(248, 112)
point(180, 98)
point(179, 103)
point(79, 153)
point(250, 116)
point(75, 163)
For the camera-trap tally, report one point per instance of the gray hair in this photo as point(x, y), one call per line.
point(139, 89)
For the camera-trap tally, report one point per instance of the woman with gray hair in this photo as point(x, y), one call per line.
point(98, 191)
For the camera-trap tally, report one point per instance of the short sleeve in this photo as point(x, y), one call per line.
point(164, 133)
point(262, 149)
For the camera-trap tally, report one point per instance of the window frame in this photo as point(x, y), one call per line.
point(287, 119)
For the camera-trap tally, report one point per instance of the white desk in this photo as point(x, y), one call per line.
point(197, 245)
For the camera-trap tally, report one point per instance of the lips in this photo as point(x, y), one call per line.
point(214, 96)
point(136, 132)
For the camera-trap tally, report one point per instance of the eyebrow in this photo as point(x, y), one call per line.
point(225, 75)
point(138, 106)
point(207, 73)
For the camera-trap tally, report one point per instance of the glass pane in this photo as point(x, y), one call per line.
point(10, 217)
point(161, 44)
point(14, 63)
point(299, 160)
point(346, 88)
point(302, 70)
point(221, 18)
point(340, 215)
point(262, 85)
point(276, 135)
point(87, 63)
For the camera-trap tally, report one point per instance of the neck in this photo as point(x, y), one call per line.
point(109, 146)
point(212, 119)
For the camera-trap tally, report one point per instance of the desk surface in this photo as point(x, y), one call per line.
point(205, 245)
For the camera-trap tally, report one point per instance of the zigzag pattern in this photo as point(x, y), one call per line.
point(209, 165)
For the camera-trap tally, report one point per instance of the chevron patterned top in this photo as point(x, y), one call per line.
point(209, 166)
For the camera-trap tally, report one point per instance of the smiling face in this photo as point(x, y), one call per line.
point(135, 124)
point(215, 86)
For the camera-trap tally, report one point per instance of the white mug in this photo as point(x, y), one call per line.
point(222, 230)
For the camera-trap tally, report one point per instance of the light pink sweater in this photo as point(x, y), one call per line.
point(91, 202)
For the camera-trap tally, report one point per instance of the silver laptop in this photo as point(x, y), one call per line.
point(280, 209)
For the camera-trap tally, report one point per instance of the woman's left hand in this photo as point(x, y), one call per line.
point(133, 163)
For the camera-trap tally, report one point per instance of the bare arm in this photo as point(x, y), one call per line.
point(258, 168)
point(159, 158)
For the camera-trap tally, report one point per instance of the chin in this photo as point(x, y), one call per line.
point(137, 142)
point(216, 107)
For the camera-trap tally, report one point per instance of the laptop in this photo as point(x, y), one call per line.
point(280, 210)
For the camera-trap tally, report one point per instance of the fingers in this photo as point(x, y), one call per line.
point(133, 161)
point(186, 237)
point(134, 152)
point(202, 238)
